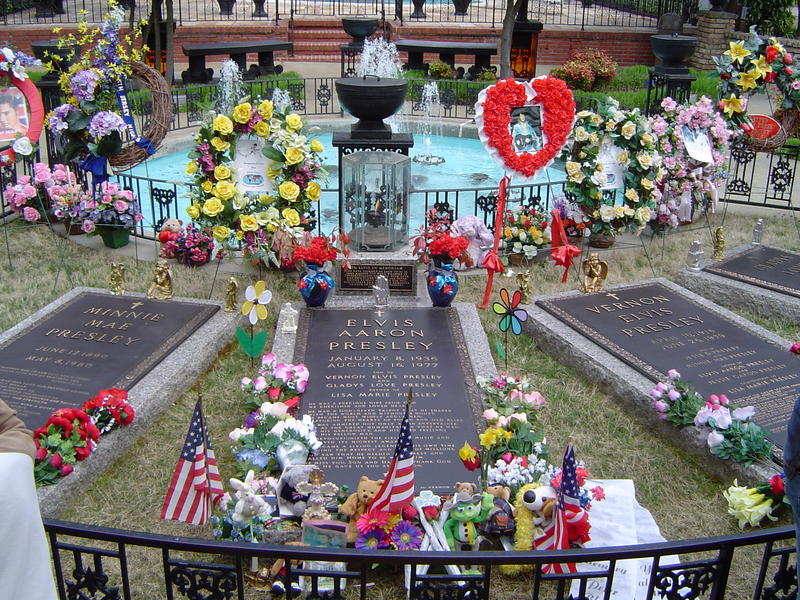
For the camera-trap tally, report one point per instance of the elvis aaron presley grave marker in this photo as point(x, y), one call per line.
point(362, 363)
point(91, 342)
point(655, 328)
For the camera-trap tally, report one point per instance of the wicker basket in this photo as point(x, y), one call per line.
point(160, 119)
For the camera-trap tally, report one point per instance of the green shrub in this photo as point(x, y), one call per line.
point(577, 75)
point(438, 69)
point(586, 69)
point(772, 17)
point(11, 6)
point(486, 74)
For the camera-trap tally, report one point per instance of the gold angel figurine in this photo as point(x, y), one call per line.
point(524, 283)
point(161, 286)
point(719, 244)
point(595, 272)
point(231, 293)
point(116, 281)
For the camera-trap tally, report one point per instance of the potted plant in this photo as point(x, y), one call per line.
point(193, 247)
point(112, 213)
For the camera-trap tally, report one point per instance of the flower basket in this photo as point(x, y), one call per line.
point(73, 227)
point(114, 236)
point(601, 240)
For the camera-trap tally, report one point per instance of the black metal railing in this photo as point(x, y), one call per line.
point(95, 562)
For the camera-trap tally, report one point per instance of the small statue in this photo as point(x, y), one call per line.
point(595, 272)
point(318, 494)
point(719, 244)
point(116, 281)
point(231, 291)
point(695, 256)
point(380, 291)
point(524, 283)
point(161, 286)
point(758, 230)
point(290, 318)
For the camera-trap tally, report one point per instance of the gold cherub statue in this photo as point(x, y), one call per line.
point(719, 244)
point(231, 292)
point(595, 272)
point(161, 286)
point(524, 283)
point(116, 281)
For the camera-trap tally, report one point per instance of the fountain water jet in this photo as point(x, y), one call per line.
point(231, 89)
point(430, 124)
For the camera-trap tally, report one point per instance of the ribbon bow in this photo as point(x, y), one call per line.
point(562, 251)
point(146, 145)
point(492, 261)
point(96, 165)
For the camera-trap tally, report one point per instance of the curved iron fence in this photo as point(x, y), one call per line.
point(100, 562)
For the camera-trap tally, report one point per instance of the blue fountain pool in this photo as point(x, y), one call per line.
point(467, 165)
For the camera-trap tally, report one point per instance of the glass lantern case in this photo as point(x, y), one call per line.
point(374, 201)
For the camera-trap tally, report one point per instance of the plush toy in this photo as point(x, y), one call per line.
point(291, 502)
point(465, 511)
point(358, 503)
point(171, 230)
point(480, 239)
point(278, 571)
point(500, 520)
point(467, 487)
point(250, 503)
point(533, 506)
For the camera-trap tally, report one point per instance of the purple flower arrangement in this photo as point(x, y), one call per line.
point(35, 193)
point(111, 205)
point(192, 248)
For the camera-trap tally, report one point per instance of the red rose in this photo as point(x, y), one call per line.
point(81, 452)
point(789, 71)
point(725, 75)
point(582, 475)
point(431, 512)
point(776, 484)
point(65, 424)
point(771, 53)
point(274, 393)
point(66, 470)
point(409, 512)
point(788, 59)
point(39, 432)
point(93, 431)
point(292, 402)
point(56, 460)
point(41, 454)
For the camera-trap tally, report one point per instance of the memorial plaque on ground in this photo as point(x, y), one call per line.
point(93, 341)
point(360, 277)
point(654, 328)
point(771, 268)
point(362, 362)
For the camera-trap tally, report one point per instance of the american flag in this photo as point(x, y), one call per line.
point(398, 486)
point(567, 510)
point(196, 485)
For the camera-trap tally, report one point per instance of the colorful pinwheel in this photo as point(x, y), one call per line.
point(513, 317)
point(256, 299)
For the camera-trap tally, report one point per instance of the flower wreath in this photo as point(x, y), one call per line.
point(493, 117)
point(746, 67)
point(685, 178)
point(635, 151)
point(13, 70)
point(254, 219)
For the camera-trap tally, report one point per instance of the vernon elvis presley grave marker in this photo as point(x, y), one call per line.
point(770, 268)
point(362, 362)
point(92, 342)
point(654, 328)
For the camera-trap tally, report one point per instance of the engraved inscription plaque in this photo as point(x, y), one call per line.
point(653, 328)
point(360, 278)
point(362, 362)
point(91, 342)
point(770, 268)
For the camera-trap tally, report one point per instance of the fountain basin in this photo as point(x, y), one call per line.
point(673, 50)
point(371, 99)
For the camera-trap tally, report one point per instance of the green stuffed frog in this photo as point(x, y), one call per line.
point(465, 511)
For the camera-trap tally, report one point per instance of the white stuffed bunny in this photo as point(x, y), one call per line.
point(249, 504)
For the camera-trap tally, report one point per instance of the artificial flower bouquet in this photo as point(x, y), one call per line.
point(507, 395)
point(606, 140)
point(526, 230)
point(750, 505)
point(445, 248)
point(110, 206)
point(576, 223)
point(66, 195)
point(192, 247)
point(676, 400)
point(316, 251)
point(110, 409)
point(378, 530)
point(275, 382)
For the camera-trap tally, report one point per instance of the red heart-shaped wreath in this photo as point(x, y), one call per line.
point(494, 120)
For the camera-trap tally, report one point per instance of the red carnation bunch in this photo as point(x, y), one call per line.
point(109, 409)
point(446, 247)
point(319, 251)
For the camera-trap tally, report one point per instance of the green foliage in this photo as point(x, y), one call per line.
point(586, 69)
point(438, 69)
point(743, 442)
point(486, 74)
point(771, 17)
point(252, 346)
point(8, 7)
point(683, 410)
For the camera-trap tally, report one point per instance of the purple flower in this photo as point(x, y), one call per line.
point(406, 536)
point(252, 419)
point(372, 540)
point(673, 374)
point(673, 395)
point(57, 119)
point(105, 122)
point(83, 83)
point(660, 406)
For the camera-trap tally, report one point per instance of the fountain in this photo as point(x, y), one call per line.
point(380, 58)
point(431, 120)
point(230, 89)
point(281, 99)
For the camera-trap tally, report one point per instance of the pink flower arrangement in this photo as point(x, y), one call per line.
point(33, 194)
point(275, 382)
point(193, 247)
point(110, 205)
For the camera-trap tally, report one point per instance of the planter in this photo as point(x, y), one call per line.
point(442, 283)
point(673, 50)
point(461, 7)
point(371, 99)
point(258, 8)
point(418, 12)
point(73, 227)
point(359, 28)
point(114, 237)
point(226, 7)
point(315, 285)
point(601, 240)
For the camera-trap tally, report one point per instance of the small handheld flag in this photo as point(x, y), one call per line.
point(398, 487)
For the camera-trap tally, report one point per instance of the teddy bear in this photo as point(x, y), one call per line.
point(358, 503)
point(467, 487)
point(171, 230)
point(291, 502)
point(480, 240)
point(500, 520)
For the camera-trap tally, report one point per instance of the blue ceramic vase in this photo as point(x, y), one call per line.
point(442, 283)
point(315, 285)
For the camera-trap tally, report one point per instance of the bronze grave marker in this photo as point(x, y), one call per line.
point(770, 268)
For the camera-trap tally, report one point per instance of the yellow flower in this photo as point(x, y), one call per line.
point(732, 105)
point(221, 233)
point(645, 160)
point(576, 177)
point(747, 81)
point(293, 156)
point(212, 207)
point(219, 144)
point(581, 135)
point(573, 167)
point(222, 172)
point(274, 169)
point(632, 195)
point(313, 191)
point(222, 124)
point(596, 119)
point(248, 223)
point(241, 112)
point(647, 183)
point(206, 186)
point(294, 122)
point(647, 139)
point(191, 167)
point(619, 211)
point(256, 299)
point(593, 138)
point(265, 109)
point(262, 128)
point(737, 52)
point(622, 157)
point(489, 437)
point(193, 210)
point(289, 190)
point(467, 453)
point(316, 146)
point(611, 125)
point(239, 234)
point(292, 216)
point(772, 42)
point(628, 130)
point(265, 199)
point(761, 66)
point(224, 190)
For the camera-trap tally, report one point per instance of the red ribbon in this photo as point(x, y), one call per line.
point(492, 261)
point(562, 251)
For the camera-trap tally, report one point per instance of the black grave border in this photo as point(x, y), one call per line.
point(718, 269)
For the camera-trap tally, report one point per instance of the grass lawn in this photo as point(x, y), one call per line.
point(685, 502)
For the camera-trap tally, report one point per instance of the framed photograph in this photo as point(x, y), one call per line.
point(697, 144)
point(251, 166)
point(14, 115)
point(613, 171)
point(526, 129)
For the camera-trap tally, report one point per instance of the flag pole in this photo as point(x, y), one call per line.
point(410, 399)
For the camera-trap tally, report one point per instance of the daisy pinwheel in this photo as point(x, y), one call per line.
point(256, 299)
point(513, 317)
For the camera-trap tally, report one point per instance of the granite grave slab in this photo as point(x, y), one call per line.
point(655, 326)
point(764, 266)
point(362, 362)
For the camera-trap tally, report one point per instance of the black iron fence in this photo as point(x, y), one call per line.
point(99, 562)
point(582, 13)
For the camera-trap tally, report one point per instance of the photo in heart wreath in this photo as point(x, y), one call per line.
point(504, 133)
